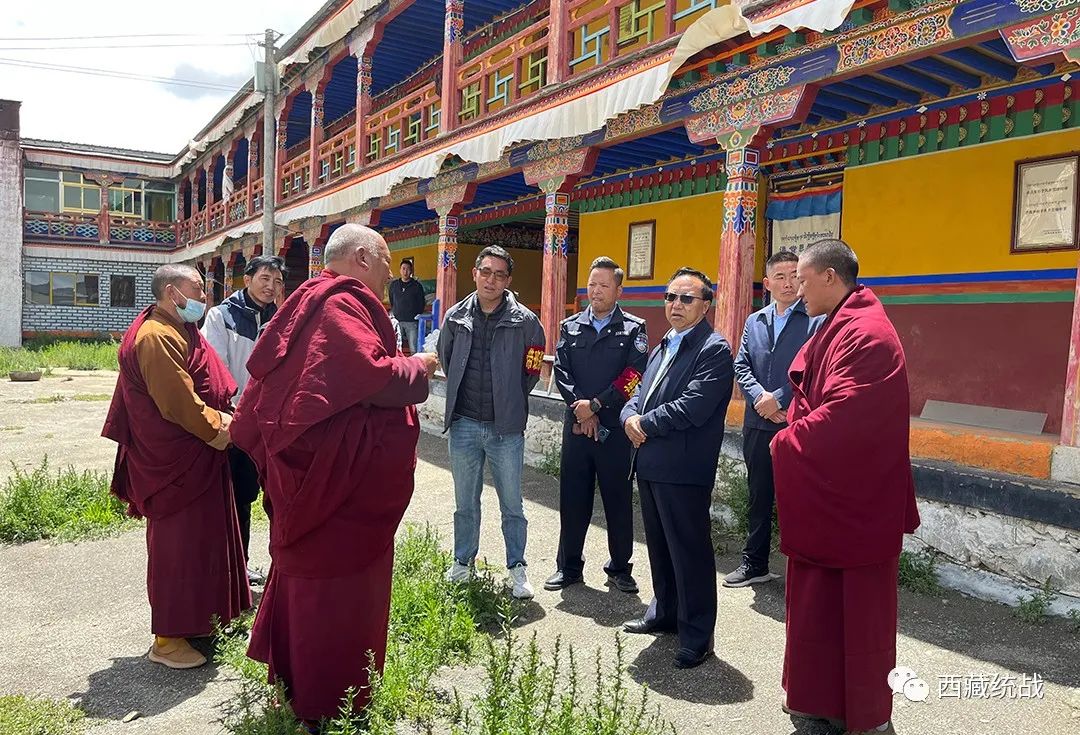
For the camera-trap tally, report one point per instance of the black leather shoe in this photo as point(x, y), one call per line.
point(623, 582)
point(641, 625)
point(688, 658)
point(561, 580)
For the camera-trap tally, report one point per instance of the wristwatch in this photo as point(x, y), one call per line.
point(594, 405)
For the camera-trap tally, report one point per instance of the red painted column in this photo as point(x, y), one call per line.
point(558, 43)
point(318, 99)
point(282, 139)
point(363, 106)
point(735, 280)
point(446, 265)
point(452, 56)
point(252, 173)
point(553, 283)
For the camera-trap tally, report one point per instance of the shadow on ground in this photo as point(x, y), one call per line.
point(981, 630)
point(136, 684)
point(714, 682)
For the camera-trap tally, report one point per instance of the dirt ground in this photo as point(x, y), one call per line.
point(74, 617)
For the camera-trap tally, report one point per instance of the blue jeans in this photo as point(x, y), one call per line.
point(470, 443)
point(410, 331)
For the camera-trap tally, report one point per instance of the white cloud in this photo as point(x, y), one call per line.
point(128, 113)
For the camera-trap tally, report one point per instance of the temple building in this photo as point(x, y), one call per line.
point(940, 139)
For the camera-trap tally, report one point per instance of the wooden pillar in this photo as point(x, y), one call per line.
point(446, 264)
point(252, 175)
point(452, 56)
point(553, 284)
point(363, 106)
point(318, 99)
point(282, 139)
point(558, 43)
point(1070, 415)
point(735, 281)
point(313, 237)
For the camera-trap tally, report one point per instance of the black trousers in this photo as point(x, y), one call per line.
point(678, 534)
point(759, 476)
point(245, 482)
point(584, 463)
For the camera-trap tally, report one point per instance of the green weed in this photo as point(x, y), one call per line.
point(917, 572)
point(1034, 608)
point(22, 715)
point(550, 462)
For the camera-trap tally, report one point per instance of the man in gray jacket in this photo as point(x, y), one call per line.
point(491, 348)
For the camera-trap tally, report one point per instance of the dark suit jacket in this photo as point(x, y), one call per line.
point(684, 418)
point(763, 360)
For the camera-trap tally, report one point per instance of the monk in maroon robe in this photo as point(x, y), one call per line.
point(329, 420)
point(168, 415)
point(845, 498)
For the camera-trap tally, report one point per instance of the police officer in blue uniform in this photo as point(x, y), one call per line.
point(599, 360)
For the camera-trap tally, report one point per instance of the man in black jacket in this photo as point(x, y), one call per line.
point(676, 423)
point(770, 341)
point(406, 302)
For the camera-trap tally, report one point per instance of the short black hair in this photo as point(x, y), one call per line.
point(706, 289)
point(408, 262)
point(171, 273)
point(495, 251)
point(266, 261)
point(608, 264)
point(781, 256)
point(835, 254)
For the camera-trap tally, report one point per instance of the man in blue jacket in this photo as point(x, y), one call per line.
point(231, 328)
point(771, 339)
point(676, 423)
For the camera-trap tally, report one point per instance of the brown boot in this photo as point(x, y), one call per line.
point(176, 653)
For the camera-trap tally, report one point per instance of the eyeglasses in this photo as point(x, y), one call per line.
point(487, 273)
point(685, 298)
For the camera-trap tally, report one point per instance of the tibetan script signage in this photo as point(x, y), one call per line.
point(798, 234)
point(1045, 214)
point(639, 259)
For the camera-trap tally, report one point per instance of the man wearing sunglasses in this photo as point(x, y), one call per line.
point(676, 423)
point(492, 349)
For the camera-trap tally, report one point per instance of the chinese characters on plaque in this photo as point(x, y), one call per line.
point(1045, 212)
point(639, 259)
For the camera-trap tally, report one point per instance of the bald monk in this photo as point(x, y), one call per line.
point(845, 497)
point(169, 416)
point(329, 420)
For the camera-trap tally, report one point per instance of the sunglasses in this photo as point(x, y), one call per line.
point(684, 298)
point(487, 273)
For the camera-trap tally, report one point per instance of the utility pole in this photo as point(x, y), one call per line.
point(269, 152)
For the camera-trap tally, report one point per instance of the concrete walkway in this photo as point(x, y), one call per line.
point(74, 619)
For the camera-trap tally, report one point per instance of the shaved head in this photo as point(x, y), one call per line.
point(349, 238)
point(361, 253)
point(171, 274)
point(835, 254)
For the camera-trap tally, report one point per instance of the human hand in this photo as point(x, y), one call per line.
point(766, 405)
point(582, 411)
point(780, 417)
point(590, 427)
point(430, 361)
point(634, 432)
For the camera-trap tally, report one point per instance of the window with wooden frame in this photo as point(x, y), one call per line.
point(41, 190)
point(61, 289)
point(80, 194)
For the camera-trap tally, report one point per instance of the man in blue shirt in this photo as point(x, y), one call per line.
point(771, 339)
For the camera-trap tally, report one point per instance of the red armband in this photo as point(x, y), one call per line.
point(534, 359)
point(627, 382)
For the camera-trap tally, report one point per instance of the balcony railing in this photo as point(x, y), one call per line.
point(503, 63)
point(505, 74)
point(295, 177)
point(96, 229)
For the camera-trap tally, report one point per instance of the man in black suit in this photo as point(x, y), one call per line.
point(676, 423)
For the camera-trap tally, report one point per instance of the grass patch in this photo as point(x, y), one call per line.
point(22, 715)
point(918, 573)
point(432, 624)
point(66, 505)
point(1033, 608)
point(528, 691)
point(58, 398)
point(92, 397)
point(73, 354)
point(550, 462)
point(733, 492)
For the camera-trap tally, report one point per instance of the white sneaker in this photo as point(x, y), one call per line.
point(459, 573)
point(518, 581)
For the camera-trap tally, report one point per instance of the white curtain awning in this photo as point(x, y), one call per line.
point(330, 31)
point(728, 21)
point(219, 131)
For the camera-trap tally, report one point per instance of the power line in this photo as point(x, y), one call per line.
point(120, 75)
point(121, 46)
point(133, 35)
